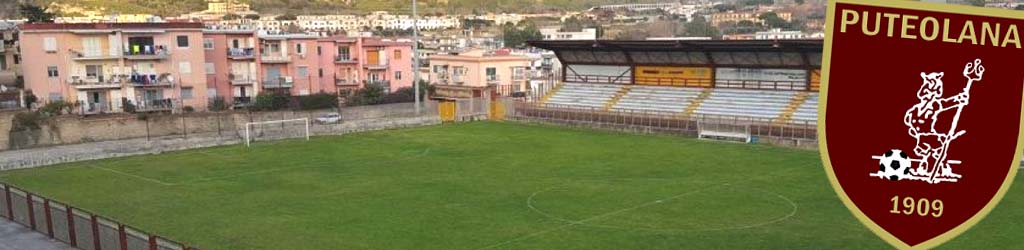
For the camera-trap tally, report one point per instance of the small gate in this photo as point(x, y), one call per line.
point(447, 111)
point(497, 110)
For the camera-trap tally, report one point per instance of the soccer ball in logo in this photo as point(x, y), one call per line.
point(894, 165)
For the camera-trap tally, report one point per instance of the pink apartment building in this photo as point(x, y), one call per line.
point(232, 68)
point(350, 63)
point(108, 67)
point(168, 66)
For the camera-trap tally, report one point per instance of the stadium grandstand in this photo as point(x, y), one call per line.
point(774, 81)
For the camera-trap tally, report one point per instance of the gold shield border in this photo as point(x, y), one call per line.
point(822, 145)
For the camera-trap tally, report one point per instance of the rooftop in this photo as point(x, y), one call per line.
point(808, 45)
point(109, 26)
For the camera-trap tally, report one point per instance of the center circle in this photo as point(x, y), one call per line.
point(661, 205)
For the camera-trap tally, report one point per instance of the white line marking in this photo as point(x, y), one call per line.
point(135, 176)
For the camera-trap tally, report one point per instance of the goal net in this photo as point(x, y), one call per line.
point(276, 130)
point(724, 131)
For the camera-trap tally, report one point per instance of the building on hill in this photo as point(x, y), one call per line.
point(556, 34)
point(753, 16)
point(10, 55)
point(778, 34)
point(116, 67)
point(477, 73)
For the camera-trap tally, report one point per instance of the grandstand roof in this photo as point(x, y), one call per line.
point(741, 53)
point(684, 45)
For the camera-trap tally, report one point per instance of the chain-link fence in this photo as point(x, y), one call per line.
point(794, 133)
point(76, 227)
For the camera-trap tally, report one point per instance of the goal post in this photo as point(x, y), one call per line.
point(723, 130)
point(276, 129)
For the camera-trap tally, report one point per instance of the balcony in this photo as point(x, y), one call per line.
point(243, 101)
point(96, 108)
point(275, 58)
point(383, 83)
point(155, 105)
point(344, 82)
point(147, 53)
point(345, 59)
point(242, 53)
point(279, 83)
point(151, 80)
point(241, 79)
point(96, 82)
point(493, 79)
point(79, 56)
point(378, 66)
point(458, 79)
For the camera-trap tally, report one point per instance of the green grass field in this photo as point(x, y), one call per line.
point(485, 185)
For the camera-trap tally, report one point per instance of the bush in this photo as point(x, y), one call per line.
point(57, 108)
point(27, 121)
point(318, 101)
point(369, 95)
point(217, 104)
point(270, 101)
point(188, 109)
point(30, 99)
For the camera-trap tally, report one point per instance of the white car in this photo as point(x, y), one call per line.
point(329, 118)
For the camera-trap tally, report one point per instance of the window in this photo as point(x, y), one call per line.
point(55, 97)
point(343, 53)
point(3, 63)
point(492, 74)
point(320, 72)
point(398, 54)
point(398, 75)
point(17, 59)
point(93, 71)
point(182, 41)
point(50, 44)
point(208, 43)
point(300, 48)
point(185, 67)
point(319, 50)
point(210, 69)
point(186, 93)
point(51, 71)
point(91, 46)
point(303, 71)
point(211, 92)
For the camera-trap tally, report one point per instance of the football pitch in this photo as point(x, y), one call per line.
point(484, 185)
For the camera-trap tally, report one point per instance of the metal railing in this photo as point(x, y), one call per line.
point(155, 105)
point(344, 59)
point(241, 53)
point(660, 121)
point(147, 52)
point(277, 83)
point(759, 84)
point(74, 226)
point(598, 79)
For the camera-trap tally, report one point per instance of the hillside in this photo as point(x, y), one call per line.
point(176, 7)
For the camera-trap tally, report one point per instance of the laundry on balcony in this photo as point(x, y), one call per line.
point(150, 79)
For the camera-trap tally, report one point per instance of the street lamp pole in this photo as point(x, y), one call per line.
point(415, 56)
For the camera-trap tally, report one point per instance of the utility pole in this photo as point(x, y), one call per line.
point(416, 56)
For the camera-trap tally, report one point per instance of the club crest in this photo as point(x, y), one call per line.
point(920, 120)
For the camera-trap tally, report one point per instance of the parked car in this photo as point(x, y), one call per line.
point(329, 118)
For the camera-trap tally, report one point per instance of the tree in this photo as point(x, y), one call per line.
point(699, 27)
point(35, 14)
point(772, 20)
point(286, 17)
point(516, 37)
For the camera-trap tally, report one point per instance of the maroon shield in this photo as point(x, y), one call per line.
point(920, 121)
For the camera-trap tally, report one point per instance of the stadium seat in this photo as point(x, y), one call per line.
point(584, 94)
point(808, 111)
point(657, 98)
point(748, 103)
